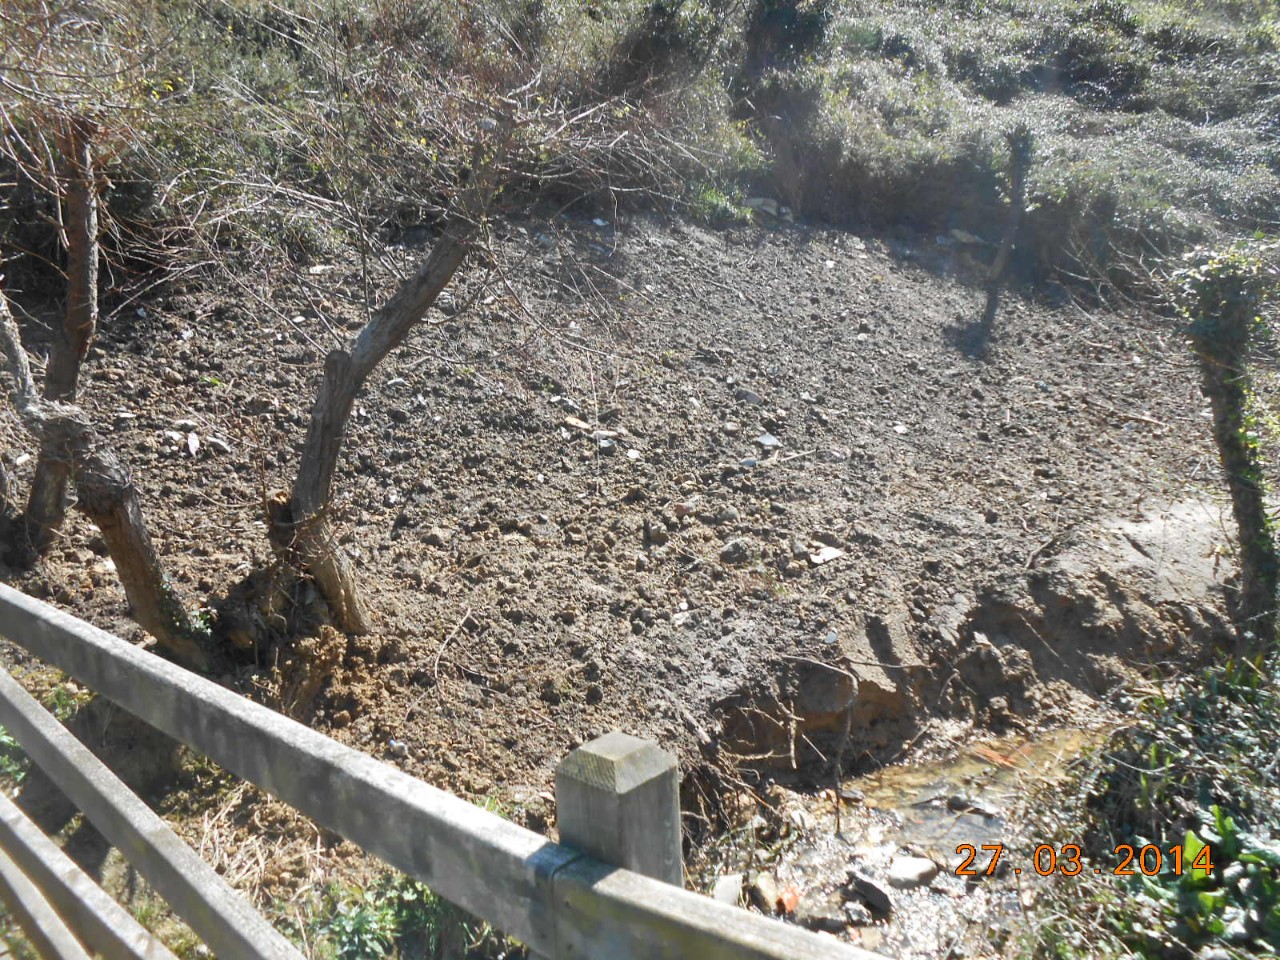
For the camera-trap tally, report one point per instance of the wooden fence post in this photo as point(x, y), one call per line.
point(618, 800)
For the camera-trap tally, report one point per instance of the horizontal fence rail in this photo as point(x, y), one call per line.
point(46, 930)
point(558, 901)
point(99, 922)
point(224, 919)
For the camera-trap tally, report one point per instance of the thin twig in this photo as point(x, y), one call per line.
point(435, 666)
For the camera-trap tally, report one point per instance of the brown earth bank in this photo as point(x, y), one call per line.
point(758, 494)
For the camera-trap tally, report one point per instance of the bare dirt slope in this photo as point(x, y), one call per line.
point(658, 477)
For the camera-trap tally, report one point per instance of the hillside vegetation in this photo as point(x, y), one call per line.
point(740, 240)
point(294, 127)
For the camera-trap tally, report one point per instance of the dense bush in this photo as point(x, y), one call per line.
point(302, 127)
point(299, 128)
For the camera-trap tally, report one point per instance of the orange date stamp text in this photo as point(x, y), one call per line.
point(985, 860)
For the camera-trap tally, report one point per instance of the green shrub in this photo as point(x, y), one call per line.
point(1194, 766)
point(1093, 64)
point(896, 117)
point(360, 930)
point(713, 206)
point(14, 762)
point(398, 916)
point(781, 34)
point(276, 128)
point(1112, 14)
point(667, 42)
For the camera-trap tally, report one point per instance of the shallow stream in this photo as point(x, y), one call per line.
point(885, 874)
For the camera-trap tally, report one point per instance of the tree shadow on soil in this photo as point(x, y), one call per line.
point(973, 339)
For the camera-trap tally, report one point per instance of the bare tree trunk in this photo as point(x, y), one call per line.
point(305, 531)
point(1020, 153)
point(46, 507)
point(107, 495)
point(105, 492)
point(1222, 343)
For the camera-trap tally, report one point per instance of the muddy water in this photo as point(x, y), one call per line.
point(925, 812)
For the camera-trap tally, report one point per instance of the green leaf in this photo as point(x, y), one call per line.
point(1191, 847)
point(1211, 902)
point(1226, 829)
point(1261, 851)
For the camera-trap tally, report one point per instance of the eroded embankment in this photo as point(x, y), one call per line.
point(1095, 607)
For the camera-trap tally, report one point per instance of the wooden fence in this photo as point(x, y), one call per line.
point(611, 892)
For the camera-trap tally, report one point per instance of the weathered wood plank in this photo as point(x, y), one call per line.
point(36, 916)
point(595, 903)
point(554, 899)
point(98, 921)
point(475, 859)
point(226, 921)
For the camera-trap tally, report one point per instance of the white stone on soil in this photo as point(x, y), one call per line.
point(907, 873)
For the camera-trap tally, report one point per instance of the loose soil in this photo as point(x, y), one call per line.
point(740, 491)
